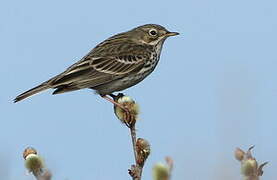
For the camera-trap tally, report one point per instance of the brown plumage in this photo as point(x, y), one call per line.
point(117, 63)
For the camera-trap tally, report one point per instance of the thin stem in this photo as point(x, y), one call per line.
point(134, 140)
point(137, 170)
point(46, 175)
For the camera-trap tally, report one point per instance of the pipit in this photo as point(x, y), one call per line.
point(115, 64)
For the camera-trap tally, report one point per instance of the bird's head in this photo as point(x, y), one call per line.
point(150, 34)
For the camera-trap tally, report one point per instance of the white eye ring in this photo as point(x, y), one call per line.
point(153, 32)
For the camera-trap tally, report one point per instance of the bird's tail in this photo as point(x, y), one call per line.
point(32, 91)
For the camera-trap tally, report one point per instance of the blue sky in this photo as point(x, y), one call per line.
point(214, 89)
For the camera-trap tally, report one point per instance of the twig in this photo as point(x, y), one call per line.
point(136, 170)
point(134, 140)
point(44, 175)
point(127, 112)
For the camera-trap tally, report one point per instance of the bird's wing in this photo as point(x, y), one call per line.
point(94, 71)
point(118, 65)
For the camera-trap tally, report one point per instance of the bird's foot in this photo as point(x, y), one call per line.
point(128, 119)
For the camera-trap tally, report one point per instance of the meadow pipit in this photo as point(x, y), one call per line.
point(115, 64)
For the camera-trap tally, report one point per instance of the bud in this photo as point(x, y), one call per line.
point(161, 172)
point(143, 150)
point(249, 167)
point(28, 151)
point(239, 154)
point(130, 105)
point(33, 162)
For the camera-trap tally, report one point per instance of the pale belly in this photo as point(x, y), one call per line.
point(121, 84)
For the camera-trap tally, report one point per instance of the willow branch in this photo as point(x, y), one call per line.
point(127, 112)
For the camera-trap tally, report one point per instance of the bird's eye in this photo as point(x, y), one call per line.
point(153, 32)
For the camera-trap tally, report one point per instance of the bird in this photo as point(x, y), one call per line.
point(115, 64)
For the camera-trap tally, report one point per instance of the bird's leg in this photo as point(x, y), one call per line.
point(128, 115)
point(114, 102)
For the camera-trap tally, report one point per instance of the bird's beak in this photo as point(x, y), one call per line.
point(171, 34)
